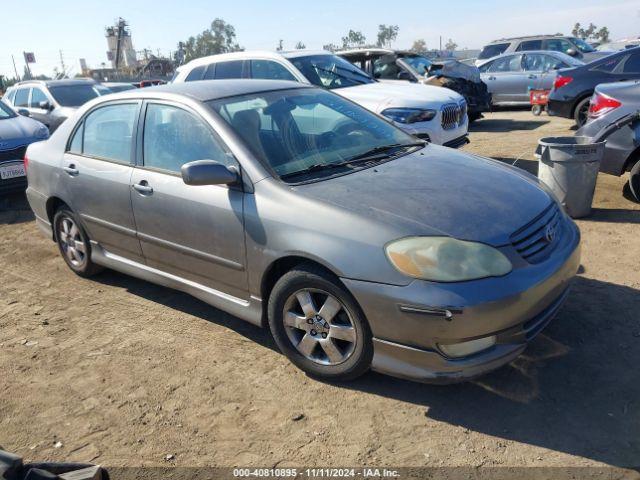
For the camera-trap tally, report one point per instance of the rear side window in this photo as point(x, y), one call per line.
point(632, 64)
point(530, 45)
point(195, 74)
point(232, 69)
point(173, 137)
point(10, 96)
point(270, 70)
point(608, 65)
point(22, 97)
point(108, 132)
point(493, 50)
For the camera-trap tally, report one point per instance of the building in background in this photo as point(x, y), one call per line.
point(120, 51)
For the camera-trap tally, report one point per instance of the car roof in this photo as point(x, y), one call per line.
point(553, 53)
point(57, 83)
point(529, 37)
point(205, 90)
point(355, 51)
point(304, 53)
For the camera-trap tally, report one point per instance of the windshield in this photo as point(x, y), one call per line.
point(5, 111)
point(330, 71)
point(583, 46)
point(76, 95)
point(297, 132)
point(418, 63)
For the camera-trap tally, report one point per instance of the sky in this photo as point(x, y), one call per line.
point(76, 27)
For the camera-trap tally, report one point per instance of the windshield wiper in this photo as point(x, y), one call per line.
point(316, 167)
point(379, 151)
point(371, 154)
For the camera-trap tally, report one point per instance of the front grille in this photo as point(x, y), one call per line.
point(536, 240)
point(13, 154)
point(453, 114)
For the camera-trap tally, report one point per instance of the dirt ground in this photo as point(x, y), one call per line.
point(124, 373)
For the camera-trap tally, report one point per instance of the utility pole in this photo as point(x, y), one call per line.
point(14, 68)
point(62, 65)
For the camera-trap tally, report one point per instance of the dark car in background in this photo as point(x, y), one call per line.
point(16, 133)
point(572, 46)
point(116, 87)
point(389, 65)
point(612, 103)
point(52, 101)
point(511, 76)
point(573, 87)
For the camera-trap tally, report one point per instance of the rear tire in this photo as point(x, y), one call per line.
point(319, 326)
point(581, 112)
point(73, 243)
point(634, 181)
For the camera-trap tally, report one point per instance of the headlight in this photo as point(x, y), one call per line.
point(409, 115)
point(445, 259)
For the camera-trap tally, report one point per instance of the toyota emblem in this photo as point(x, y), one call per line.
point(550, 233)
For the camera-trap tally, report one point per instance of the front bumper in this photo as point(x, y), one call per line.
point(434, 132)
point(408, 322)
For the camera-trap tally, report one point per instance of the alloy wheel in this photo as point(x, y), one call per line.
point(71, 242)
point(324, 335)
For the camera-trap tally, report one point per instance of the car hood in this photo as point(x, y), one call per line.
point(439, 191)
point(19, 131)
point(380, 95)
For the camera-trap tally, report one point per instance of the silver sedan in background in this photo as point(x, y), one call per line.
point(286, 205)
point(510, 76)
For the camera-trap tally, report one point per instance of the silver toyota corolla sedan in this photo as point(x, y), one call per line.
point(289, 206)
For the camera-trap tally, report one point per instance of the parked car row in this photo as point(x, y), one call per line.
point(432, 113)
point(573, 87)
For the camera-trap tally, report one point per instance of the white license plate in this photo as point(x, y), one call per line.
point(12, 171)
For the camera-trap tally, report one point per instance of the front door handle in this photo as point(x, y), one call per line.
point(533, 76)
point(71, 170)
point(492, 78)
point(143, 187)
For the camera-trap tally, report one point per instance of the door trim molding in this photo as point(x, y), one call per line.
point(190, 251)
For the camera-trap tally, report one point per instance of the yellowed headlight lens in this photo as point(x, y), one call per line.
point(446, 259)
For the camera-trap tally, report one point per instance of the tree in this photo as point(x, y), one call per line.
point(591, 33)
point(279, 48)
point(219, 38)
point(419, 46)
point(450, 45)
point(387, 34)
point(300, 46)
point(353, 39)
point(331, 47)
point(602, 35)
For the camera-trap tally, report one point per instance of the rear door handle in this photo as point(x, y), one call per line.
point(143, 187)
point(533, 76)
point(492, 78)
point(71, 170)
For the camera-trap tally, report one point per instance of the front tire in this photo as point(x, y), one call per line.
point(319, 326)
point(73, 243)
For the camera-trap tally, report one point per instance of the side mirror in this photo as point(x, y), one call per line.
point(208, 172)
point(24, 112)
point(45, 105)
point(572, 52)
point(404, 75)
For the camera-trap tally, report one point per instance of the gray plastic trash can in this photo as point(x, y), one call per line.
point(569, 166)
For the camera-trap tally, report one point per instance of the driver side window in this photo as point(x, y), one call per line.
point(172, 137)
